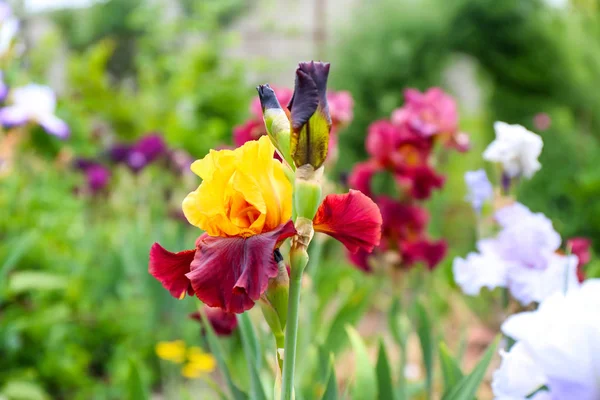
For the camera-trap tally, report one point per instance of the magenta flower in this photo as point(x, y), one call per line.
point(97, 175)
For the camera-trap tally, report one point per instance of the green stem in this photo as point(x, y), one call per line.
point(291, 334)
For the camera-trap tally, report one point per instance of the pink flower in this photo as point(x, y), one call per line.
point(542, 121)
point(427, 114)
point(341, 107)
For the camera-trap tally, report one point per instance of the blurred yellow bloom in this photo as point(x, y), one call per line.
point(199, 363)
point(244, 192)
point(171, 351)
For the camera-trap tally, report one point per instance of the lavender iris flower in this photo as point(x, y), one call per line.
point(556, 346)
point(479, 188)
point(37, 104)
point(522, 258)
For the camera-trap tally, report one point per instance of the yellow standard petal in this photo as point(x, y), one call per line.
point(244, 192)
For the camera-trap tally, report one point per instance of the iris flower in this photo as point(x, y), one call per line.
point(244, 205)
point(37, 104)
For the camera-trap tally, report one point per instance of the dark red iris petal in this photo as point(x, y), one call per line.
point(232, 273)
point(222, 322)
point(428, 252)
point(170, 269)
point(360, 259)
point(352, 218)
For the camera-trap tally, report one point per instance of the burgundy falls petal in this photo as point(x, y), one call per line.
point(170, 269)
point(232, 273)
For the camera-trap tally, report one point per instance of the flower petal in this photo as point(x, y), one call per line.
point(170, 269)
point(13, 116)
point(431, 253)
point(223, 323)
point(54, 126)
point(352, 218)
point(232, 273)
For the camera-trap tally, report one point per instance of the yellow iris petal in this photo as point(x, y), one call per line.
point(244, 192)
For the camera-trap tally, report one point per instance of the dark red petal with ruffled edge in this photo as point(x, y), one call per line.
point(232, 273)
point(222, 322)
point(170, 269)
point(352, 218)
point(431, 253)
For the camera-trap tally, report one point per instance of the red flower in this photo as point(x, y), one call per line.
point(222, 322)
point(580, 246)
point(229, 273)
point(420, 181)
point(352, 218)
point(431, 253)
point(401, 221)
point(361, 176)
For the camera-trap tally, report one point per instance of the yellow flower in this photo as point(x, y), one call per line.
point(199, 363)
point(171, 351)
point(244, 192)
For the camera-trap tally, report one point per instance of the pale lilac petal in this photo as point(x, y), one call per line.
point(54, 125)
point(529, 285)
point(477, 271)
point(518, 375)
point(562, 337)
point(13, 116)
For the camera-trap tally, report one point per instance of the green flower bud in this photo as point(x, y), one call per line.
point(276, 121)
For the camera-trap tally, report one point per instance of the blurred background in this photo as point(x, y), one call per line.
point(80, 316)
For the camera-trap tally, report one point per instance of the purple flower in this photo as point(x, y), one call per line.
point(522, 257)
point(34, 103)
point(479, 188)
point(143, 152)
point(97, 175)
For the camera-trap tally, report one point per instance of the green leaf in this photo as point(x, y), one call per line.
point(352, 310)
point(468, 385)
point(23, 281)
point(331, 392)
point(23, 390)
point(252, 354)
point(135, 386)
point(365, 381)
point(424, 331)
point(385, 386)
point(217, 352)
point(450, 368)
point(18, 250)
